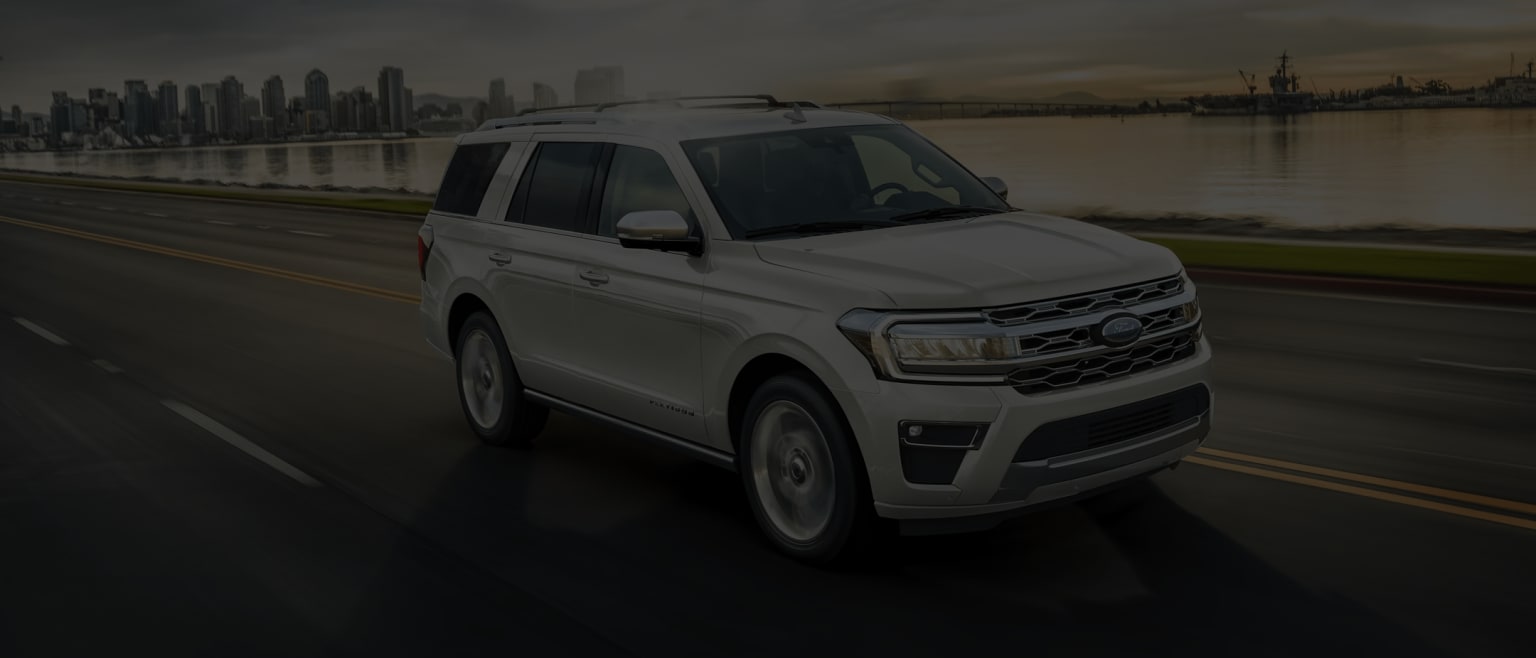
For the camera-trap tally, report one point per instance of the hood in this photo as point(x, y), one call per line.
point(995, 260)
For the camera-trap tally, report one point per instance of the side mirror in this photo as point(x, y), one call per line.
point(661, 230)
point(997, 186)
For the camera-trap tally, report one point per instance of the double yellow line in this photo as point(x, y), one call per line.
point(1285, 471)
point(1264, 467)
point(335, 284)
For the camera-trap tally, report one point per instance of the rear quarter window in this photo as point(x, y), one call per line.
point(468, 176)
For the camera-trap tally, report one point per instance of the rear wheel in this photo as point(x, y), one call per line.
point(803, 475)
point(489, 389)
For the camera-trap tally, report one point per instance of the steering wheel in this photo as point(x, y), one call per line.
point(887, 186)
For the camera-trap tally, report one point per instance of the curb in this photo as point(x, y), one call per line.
point(1415, 289)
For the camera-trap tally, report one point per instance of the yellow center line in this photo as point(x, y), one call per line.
point(1448, 494)
point(1400, 499)
point(336, 284)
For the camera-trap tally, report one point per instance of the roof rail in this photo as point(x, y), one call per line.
point(767, 99)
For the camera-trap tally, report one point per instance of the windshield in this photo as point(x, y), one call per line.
point(858, 175)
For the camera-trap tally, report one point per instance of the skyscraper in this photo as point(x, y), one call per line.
point(169, 109)
point(274, 105)
point(544, 95)
point(391, 99)
point(58, 116)
point(250, 110)
point(602, 84)
point(197, 120)
point(499, 104)
point(232, 124)
point(317, 102)
point(211, 109)
point(135, 95)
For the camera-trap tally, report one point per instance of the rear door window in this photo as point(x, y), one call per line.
point(467, 178)
point(557, 188)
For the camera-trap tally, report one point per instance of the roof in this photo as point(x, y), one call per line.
point(670, 121)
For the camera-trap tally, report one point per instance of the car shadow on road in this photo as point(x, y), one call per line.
point(593, 541)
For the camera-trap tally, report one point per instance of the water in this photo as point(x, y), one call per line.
point(1457, 168)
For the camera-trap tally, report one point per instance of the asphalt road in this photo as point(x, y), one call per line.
point(204, 450)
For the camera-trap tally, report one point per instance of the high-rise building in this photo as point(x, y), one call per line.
point(499, 105)
point(79, 116)
point(135, 97)
point(197, 118)
point(274, 105)
point(211, 109)
point(317, 102)
point(114, 107)
point(391, 99)
point(602, 84)
point(250, 108)
point(168, 109)
point(232, 124)
point(16, 118)
point(97, 110)
point(544, 95)
point(58, 116)
point(410, 109)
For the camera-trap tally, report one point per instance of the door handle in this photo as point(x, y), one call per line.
point(594, 278)
point(500, 258)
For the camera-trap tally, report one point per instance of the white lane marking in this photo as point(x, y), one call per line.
point(47, 335)
point(1474, 366)
point(156, 214)
point(220, 223)
point(66, 203)
point(1367, 298)
point(108, 366)
point(229, 436)
point(308, 233)
point(107, 208)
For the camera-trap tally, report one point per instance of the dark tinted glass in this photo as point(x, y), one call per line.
point(638, 179)
point(468, 176)
point(556, 190)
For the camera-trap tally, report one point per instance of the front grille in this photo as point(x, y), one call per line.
point(1112, 364)
point(1079, 338)
point(1111, 426)
point(1065, 307)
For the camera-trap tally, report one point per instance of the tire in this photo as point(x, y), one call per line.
point(490, 392)
point(792, 438)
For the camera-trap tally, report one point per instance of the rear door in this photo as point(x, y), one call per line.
point(636, 311)
point(535, 253)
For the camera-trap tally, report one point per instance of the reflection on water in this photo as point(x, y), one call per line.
point(1438, 167)
point(277, 163)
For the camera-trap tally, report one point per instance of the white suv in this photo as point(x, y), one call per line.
point(821, 300)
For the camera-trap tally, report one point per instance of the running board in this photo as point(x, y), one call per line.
point(703, 453)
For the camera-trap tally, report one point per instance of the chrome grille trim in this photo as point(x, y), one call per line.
point(1104, 365)
point(1076, 305)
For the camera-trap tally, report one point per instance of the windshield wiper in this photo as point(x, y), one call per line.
point(946, 211)
point(804, 228)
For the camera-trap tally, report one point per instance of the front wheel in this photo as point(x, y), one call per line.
point(802, 473)
point(490, 391)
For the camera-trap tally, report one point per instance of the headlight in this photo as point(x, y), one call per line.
point(969, 350)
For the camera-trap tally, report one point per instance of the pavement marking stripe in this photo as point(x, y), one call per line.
point(47, 335)
point(300, 277)
point(157, 214)
point(1448, 494)
point(1474, 366)
point(1367, 298)
point(311, 234)
point(1367, 493)
point(108, 366)
point(232, 438)
point(106, 208)
point(220, 223)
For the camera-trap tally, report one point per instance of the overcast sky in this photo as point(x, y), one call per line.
point(830, 49)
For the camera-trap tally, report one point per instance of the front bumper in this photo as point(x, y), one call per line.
point(1001, 474)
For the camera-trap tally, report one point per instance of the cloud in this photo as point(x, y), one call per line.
point(834, 49)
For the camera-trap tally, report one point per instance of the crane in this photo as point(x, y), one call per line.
point(1249, 81)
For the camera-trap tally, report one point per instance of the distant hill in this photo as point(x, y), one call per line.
point(440, 100)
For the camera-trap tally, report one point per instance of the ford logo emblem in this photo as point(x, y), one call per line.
point(1118, 330)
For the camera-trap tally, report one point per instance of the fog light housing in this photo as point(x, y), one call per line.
point(936, 434)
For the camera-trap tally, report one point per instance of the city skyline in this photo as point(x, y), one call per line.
point(839, 51)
